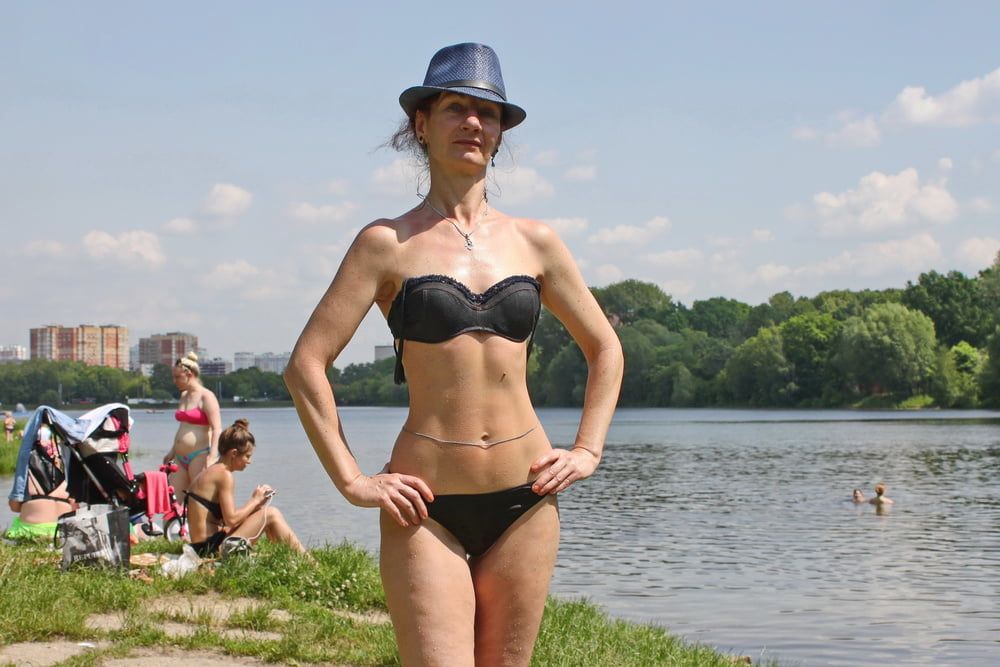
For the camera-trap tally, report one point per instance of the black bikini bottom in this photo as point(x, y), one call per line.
point(209, 547)
point(477, 520)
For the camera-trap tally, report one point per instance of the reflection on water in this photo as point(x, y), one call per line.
point(734, 528)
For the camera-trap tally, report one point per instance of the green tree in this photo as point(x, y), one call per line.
point(720, 318)
point(989, 378)
point(956, 305)
point(630, 300)
point(639, 356)
point(889, 348)
point(758, 373)
point(808, 344)
point(162, 381)
point(566, 378)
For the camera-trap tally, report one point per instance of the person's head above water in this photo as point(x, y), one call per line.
point(879, 489)
point(858, 495)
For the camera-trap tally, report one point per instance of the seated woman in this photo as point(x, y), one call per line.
point(47, 496)
point(211, 505)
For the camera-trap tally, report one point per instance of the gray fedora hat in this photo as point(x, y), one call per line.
point(468, 69)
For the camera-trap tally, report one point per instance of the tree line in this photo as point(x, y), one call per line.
point(935, 342)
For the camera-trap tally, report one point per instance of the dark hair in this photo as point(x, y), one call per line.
point(404, 139)
point(238, 437)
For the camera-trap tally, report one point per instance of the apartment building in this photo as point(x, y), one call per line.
point(95, 345)
point(166, 348)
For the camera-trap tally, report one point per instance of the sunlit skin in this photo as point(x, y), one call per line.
point(447, 610)
point(192, 437)
point(251, 520)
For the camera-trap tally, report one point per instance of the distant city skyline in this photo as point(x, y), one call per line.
point(209, 173)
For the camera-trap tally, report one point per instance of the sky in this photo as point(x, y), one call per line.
point(203, 167)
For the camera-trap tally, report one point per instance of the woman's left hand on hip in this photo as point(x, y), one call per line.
point(560, 468)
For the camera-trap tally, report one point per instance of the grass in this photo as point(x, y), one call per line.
point(8, 450)
point(38, 602)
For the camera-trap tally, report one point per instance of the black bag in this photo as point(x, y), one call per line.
point(95, 535)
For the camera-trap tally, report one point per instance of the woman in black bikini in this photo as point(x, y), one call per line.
point(211, 504)
point(470, 525)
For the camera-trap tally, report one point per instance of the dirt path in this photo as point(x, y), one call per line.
point(177, 616)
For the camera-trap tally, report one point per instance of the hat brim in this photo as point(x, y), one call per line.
point(411, 97)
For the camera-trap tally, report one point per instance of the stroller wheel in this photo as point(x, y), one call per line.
point(172, 530)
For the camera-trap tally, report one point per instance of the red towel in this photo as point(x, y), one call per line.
point(157, 493)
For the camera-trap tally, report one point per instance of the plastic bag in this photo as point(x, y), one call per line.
point(95, 535)
point(186, 563)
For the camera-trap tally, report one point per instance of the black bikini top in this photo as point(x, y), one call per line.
point(433, 309)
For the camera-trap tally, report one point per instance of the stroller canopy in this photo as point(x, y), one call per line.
point(72, 431)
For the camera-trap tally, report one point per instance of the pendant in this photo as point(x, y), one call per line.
point(468, 243)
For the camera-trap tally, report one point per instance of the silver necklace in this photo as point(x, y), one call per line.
point(467, 237)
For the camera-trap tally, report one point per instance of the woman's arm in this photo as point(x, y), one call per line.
point(567, 296)
point(226, 488)
point(358, 283)
point(210, 404)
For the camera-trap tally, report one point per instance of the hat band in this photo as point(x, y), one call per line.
point(473, 83)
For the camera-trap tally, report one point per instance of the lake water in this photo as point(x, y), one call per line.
point(731, 527)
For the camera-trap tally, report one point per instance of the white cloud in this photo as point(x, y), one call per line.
point(137, 249)
point(674, 258)
point(609, 273)
point(862, 133)
point(630, 234)
point(945, 164)
point(722, 241)
point(969, 103)
point(979, 205)
point(180, 226)
point(567, 226)
point(677, 288)
point(397, 179)
point(226, 200)
point(521, 185)
point(978, 253)
point(771, 272)
point(44, 248)
point(804, 133)
point(585, 172)
point(884, 201)
point(912, 255)
point(308, 213)
point(762, 235)
point(546, 158)
point(228, 275)
point(339, 187)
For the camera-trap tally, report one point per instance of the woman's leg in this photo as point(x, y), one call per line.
point(196, 466)
point(274, 526)
point(429, 592)
point(512, 582)
point(180, 480)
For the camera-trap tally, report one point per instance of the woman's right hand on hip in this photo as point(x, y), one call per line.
point(403, 497)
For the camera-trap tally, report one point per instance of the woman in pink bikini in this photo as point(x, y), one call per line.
point(196, 443)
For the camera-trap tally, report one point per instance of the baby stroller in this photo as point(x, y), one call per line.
point(95, 447)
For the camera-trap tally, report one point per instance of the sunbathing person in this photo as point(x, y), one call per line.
point(199, 423)
point(47, 495)
point(211, 504)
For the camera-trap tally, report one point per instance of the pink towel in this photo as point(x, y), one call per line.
point(157, 493)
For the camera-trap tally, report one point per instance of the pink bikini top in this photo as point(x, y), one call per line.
point(192, 416)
